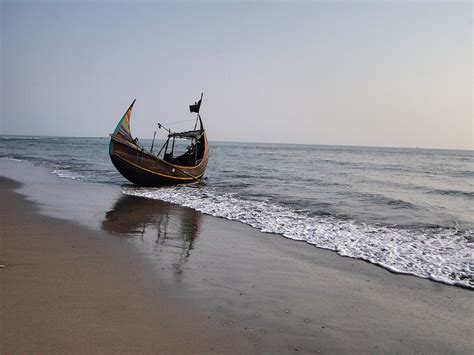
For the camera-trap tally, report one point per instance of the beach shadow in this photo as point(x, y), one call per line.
point(165, 230)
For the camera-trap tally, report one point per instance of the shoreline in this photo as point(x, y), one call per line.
point(226, 287)
point(66, 289)
point(363, 242)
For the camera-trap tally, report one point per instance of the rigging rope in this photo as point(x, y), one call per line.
point(169, 123)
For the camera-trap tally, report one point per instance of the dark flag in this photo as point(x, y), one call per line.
point(196, 106)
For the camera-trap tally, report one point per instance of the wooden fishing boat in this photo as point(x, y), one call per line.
point(143, 168)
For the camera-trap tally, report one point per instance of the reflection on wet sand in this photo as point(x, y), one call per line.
point(168, 231)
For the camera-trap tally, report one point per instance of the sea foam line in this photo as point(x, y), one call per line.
point(9, 158)
point(440, 254)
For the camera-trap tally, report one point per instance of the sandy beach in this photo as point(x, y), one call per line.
point(151, 277)
point(236, 177)
point(66, 289)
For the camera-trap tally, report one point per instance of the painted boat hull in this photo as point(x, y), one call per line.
point(145, 169)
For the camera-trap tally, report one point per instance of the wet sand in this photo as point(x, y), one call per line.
point(156, 277)
point(66, 289)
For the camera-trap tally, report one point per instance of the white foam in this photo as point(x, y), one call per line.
point(440, 254)
point(19, 138)
point(68, 174)
point(8, 158)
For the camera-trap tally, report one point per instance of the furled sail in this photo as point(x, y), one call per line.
point(123, 128)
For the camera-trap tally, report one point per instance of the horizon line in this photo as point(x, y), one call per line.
point(252, 142)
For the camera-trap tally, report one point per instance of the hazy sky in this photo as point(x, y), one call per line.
point(374, 73)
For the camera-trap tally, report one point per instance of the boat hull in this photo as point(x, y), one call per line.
point(145, 169)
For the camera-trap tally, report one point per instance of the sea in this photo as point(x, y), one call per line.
point(410, 211)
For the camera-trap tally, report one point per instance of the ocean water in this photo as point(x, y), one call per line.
point(408, 210)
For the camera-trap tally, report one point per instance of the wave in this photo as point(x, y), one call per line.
point(7, 138)
point(383, 200)
point(452, 193)
point(22, 157)
point(441, 254)
point(83, 175)
point(10, 158)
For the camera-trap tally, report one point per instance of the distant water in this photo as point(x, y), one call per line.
point(408, 210)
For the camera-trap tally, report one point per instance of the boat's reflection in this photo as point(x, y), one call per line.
point(166, 230)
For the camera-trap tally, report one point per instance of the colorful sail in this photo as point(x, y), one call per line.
point(123, 128)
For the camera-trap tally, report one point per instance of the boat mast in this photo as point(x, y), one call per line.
point(195, 108)
point(153, 143)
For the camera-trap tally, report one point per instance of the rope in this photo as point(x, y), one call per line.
point(168, 123)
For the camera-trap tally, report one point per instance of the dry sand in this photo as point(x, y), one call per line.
point(161, 278)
